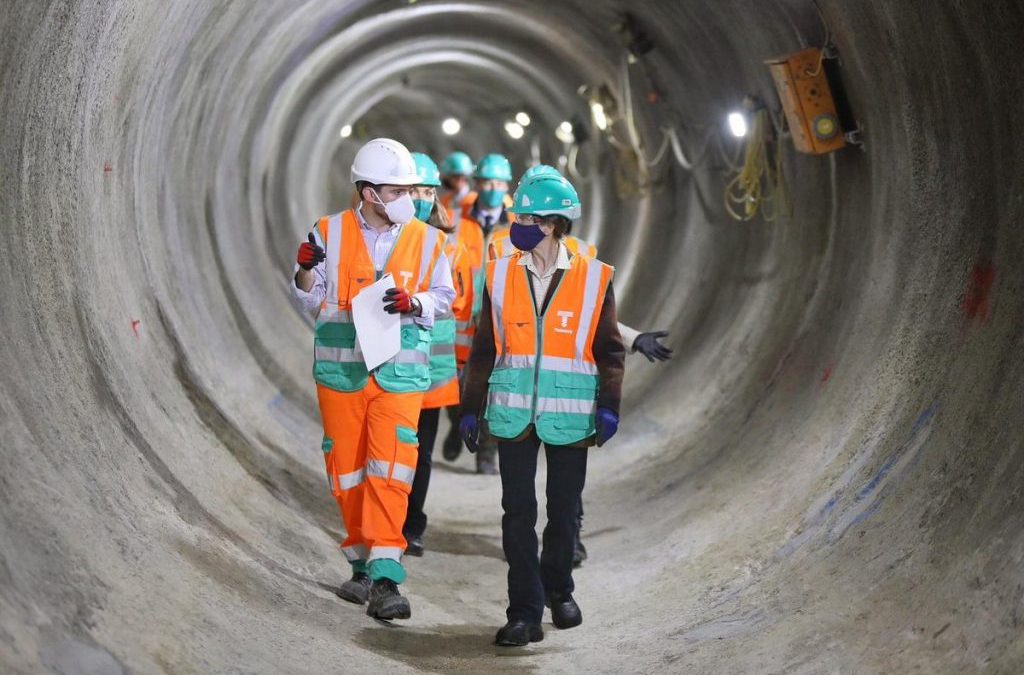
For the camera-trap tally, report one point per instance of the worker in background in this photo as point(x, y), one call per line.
point(456, 174)
point(645, 343)
point(446, 357)
point(370, 418)
point(547, 366)
point(489, 210)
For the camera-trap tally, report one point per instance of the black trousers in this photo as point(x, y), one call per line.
point(530, 578)
point(415, 518)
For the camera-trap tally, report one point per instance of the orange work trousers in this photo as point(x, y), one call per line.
point(370, 449)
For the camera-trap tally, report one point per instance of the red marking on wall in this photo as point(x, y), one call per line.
point(135, 327)
point(107, 167)
point(827, 374)
point(979, 291)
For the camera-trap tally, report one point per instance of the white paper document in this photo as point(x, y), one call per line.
point(379, 334)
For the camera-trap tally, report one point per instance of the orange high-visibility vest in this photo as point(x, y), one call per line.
point(544, 370)
point(448, 349)
point(338, 364)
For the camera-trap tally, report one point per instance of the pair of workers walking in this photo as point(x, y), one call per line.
point(546, 367)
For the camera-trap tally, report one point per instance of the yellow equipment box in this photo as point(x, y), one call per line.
point(807, 101)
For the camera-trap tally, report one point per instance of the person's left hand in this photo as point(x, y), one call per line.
point(607, 422)
point(398, 301)
point(648, 345)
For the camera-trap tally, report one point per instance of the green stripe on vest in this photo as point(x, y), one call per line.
point(443, 368)
point(398, 378)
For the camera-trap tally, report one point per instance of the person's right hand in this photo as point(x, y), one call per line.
point(469, 429)
point(310, 254)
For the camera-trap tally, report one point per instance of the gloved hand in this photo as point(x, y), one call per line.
point(310, 255)
point(648, 345)
point(469, 429)
point(398, 301)
point(607, 424)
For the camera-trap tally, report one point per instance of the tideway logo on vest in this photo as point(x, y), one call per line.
point(565, 316)
point(406, 277)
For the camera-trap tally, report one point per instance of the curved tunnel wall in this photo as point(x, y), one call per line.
point(827, 477)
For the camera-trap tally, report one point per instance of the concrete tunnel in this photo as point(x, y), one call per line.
point(826, 478)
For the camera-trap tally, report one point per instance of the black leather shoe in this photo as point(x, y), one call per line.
point(565, 613)
point(452, 447)
point(356, 589)
point(414, 545)
point(518, 633)
point(386, 602)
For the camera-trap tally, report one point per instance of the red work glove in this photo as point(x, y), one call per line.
point(398, 301)
point(310, 255)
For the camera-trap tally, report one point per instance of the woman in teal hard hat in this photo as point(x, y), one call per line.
point(546, 367)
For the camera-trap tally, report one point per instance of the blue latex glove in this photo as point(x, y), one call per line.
point(607, 424)
point(469, 429)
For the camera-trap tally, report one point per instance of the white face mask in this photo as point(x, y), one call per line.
point(399, 211)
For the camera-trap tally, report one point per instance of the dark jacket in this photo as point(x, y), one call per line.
point(609, 354)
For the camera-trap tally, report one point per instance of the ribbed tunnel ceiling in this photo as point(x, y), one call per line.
point(826, 478)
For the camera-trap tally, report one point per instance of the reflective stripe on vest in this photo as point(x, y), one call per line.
point(544, 370)
point(337, 360)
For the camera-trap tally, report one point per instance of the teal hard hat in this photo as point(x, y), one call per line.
point(539, 170)
point(547, 195)
point(427, 170)
point(493, 167)
point(457, 164)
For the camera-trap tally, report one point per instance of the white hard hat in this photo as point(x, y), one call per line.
point(384, 161)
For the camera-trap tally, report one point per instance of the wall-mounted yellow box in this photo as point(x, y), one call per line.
point(807, 101)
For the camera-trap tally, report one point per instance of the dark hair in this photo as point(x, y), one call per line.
point(361, 184)
point(562, 225)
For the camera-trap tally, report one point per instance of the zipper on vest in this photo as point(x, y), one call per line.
point(540, 338)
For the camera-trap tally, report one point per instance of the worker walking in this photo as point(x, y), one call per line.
point(456, 172)
point(486, 207)
point(446, 355)
point(546, 367)
point(369, 418)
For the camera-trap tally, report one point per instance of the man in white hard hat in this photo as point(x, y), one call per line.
point(370, 443)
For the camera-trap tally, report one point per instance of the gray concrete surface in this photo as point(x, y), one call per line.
point(827, 479)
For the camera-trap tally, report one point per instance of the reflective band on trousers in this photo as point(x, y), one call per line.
point(347, 481)
point(379, 468)
point(357, 552)
point(385, 553)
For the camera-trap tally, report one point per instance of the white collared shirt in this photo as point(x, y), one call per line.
point(541, 283)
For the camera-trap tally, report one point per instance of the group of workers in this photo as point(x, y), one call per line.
point(507, 321)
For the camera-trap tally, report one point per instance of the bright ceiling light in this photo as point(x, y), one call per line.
point(564, 132)
point(523, 119)
point(451, 126)
point(738, 124)
point(346, 131)
point(514, 129)
point(600, 119)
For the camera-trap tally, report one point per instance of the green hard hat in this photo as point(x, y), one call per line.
point(457, 164)
point(494, 167)
point(547, 195)
point(427, 170)
point(539, 170)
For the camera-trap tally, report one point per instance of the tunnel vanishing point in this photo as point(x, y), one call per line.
point(828, 477)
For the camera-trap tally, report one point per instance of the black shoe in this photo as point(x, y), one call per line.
point(518, 633)
point(356, 589)
point(579, 554)
point(386, 602)
point(414, 545)
point(565, 613)
point(452, 446)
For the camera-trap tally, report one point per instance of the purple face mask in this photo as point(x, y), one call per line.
point(526, 237)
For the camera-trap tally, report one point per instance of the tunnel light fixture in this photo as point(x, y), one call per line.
point(564, 132)
point(451, 126)
point(522, 119)
point(514, 129)
point(738, 124)
point(600, 119)
point(346, 131)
